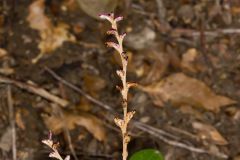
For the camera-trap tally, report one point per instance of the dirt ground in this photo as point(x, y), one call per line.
point(185, 56)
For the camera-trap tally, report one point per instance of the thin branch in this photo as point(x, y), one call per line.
point(36, 90)
point(215, 33)
point(162, 14)
point(77, 89)
point(181, 145)
point(12, 122)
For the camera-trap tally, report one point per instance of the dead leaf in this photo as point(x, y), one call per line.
point(19, 120)
point(93, 84)
point(1, 21)
point(7, 71)
point(158, 66)
point(71, 120)
point(3, 52)
point(95, 7)
point(208, 132)
point(84, 105)
point(215, 10)
point(180, 89)
point(71, 5)
point(36, 18)
point(188, 59)
point(6, 140)
point(237, 157)
point(227, 15)
point(235, 10)
point(234, 113)
point(190, 110)
point(186, 13)
point(52, 36)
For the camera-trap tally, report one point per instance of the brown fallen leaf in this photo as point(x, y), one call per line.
point(186, 109)
point(235, 10)
point(70, 5)
point(95, 7)
point(237, 157)
point(210, 133)
point(19, 120)
point(52, 36)
point(3, 52)
point(71, 120)
point(93, 84)
point(7, 70)
point(180, 89)
point(186, 13)
point(159, 61)
point(188, 60)
point(6, 140)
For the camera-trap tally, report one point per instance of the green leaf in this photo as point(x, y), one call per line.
point(147, 154)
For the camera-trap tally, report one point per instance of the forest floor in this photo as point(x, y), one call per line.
point(185, 56)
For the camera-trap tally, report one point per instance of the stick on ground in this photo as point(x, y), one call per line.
point(12, 122)
point(36, 90)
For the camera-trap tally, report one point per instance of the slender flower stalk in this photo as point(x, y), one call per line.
point(127, 116)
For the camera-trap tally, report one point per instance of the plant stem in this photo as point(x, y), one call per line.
point(122, 123)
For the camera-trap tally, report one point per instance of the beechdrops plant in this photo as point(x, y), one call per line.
point(122, 123)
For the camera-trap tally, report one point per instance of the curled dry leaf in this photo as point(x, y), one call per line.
point(19, 120)
point(188, 60)
point(52, 36)
point(208, 132)
point(180, 89)
point(6, 69)
point(36, 18)
point(3, 52)
point(86, 120)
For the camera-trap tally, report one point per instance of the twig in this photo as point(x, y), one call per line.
point(179, 144)
point(183, 132)
point(36, 90)
point(162, 15)
point(90, 155)
point(156, 130)
point(215, 33)
point(88, 44)
point(143, 127)
point(75, 88)
point(12, 122)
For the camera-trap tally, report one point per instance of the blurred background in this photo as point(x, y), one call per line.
point(56, 74)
